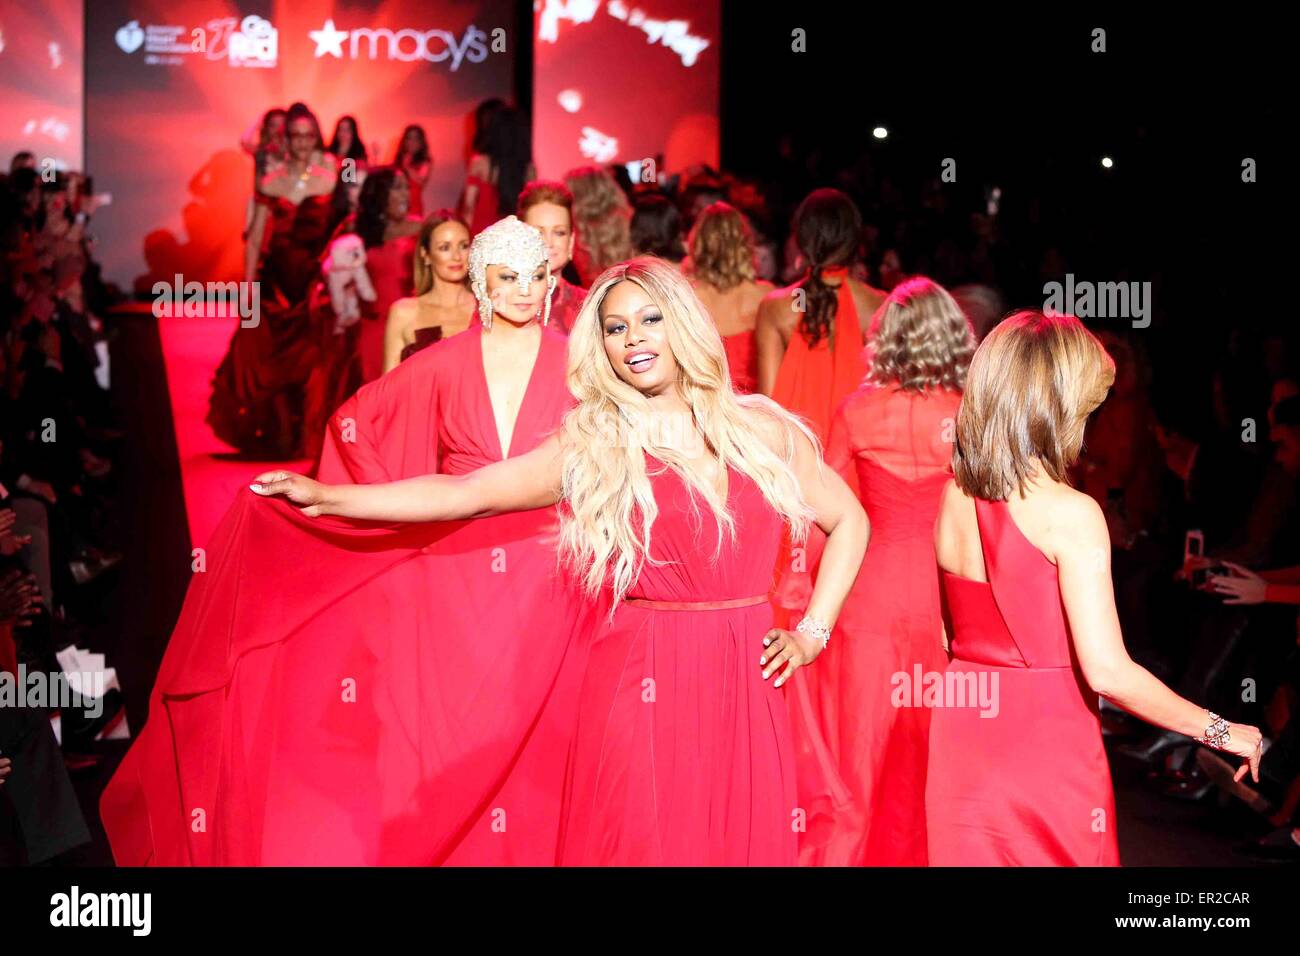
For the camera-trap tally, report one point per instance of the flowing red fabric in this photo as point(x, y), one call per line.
point(566, 303)
point(1019, 778)
point(896, 447)
point(683, 753)
point(339, 692)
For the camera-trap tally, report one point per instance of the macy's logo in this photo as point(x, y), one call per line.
point(407, 45)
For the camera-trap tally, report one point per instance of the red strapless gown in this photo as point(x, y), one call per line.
point(1030, 786)
point(742, 359)
point(683, 752)
point(895, 446)
point(342, 692)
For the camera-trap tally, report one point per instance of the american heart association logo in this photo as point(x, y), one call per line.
point(130, 37)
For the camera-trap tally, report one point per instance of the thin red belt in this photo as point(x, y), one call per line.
point(698, 605)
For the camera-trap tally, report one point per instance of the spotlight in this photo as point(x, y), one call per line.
point(1107, 162)
point(880, 132)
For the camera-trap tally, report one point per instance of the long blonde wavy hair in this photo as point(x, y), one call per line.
point(602, 219)
point(606, 484)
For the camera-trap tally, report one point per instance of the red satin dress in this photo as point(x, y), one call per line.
point(683, 753)
point(742, 360)
point(1028, 785)
point(351, 693)
point(895, 447)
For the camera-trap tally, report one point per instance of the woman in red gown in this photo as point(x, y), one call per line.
point(357, 693)
point(1018, 775)
point(683, 751)
point(810, 336)
point(548, 206)
point(892, 439)
point(721, 269)
point(257, 392)
point(499, 164)
point(443, 305)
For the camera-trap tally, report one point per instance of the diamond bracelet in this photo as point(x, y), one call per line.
point(816, 628)
point(1216, 734)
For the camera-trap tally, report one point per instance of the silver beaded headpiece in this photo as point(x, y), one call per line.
point(516, 245)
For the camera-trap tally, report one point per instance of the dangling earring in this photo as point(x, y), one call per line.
point(546, 308)
point(484, 307)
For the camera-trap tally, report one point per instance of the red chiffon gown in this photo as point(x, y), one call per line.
point(487, 204)
point(342, 692)
point(812, 382)
point(1026, 782)
point(895, 446)
point(683, 753)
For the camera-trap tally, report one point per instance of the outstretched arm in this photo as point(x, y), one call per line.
point(527, 481)
point(1081, 547)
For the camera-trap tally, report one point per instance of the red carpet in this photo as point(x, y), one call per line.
point(192, 349)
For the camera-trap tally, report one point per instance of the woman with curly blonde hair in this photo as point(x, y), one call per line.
point(892, 440)
point(721, 269)
point(705, 775)
point(602, 218)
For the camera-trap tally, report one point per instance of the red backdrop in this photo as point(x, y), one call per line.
point(163, 120)
point(40, 81)
point(625, 80)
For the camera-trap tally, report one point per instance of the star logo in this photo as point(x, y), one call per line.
point(328, 39)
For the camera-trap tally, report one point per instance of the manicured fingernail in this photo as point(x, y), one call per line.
point(762, 660)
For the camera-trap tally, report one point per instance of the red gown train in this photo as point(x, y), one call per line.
point(340, 692)
point(1026, 782)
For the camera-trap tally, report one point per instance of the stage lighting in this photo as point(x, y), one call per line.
point(1107, 162)
point(880, 132)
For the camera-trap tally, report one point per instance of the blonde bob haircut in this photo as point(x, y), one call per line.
point(1031, 386)
point(610, 508)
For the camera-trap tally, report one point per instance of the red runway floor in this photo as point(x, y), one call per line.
point(192, 350)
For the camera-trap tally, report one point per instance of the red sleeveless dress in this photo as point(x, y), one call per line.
point(895, 446)
point(1028, 784)
point(814, 379)
point(683, 753)
point(812, 382)
point(353, 693)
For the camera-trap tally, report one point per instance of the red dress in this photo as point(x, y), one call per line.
point(390, 268)
point(341, 692)
point(683, 752)
point(742, 359)
point(895, 446)
point(487, 204)
point(814, 379)
point(1030, 784)
point(566, 302)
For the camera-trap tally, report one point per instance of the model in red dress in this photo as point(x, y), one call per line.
point(548, 206)
point(1018, 775)
point(341, 692)
point(892, 441)
point(683, 751)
